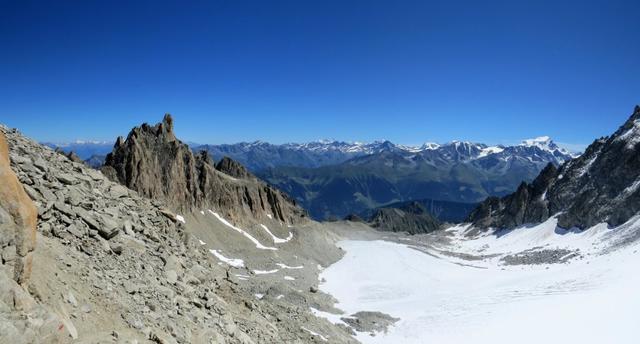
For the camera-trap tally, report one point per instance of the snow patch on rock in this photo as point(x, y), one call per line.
point(236, 263)
point(277, 240)
point(243, 232)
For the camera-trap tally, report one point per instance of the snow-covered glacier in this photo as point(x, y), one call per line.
point(470, 295)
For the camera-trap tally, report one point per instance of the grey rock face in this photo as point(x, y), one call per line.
point(233, 168)
point(153, 162)
point(412, 218)
point(602, 185)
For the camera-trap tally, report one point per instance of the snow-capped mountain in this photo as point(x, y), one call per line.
point(259, 155)
point(602, 185)
point(382, 173)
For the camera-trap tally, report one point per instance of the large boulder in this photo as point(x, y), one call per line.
point(18, 216)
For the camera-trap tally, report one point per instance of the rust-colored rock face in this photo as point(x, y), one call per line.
point(23, 215)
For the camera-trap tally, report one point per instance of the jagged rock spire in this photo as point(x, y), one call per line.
point(156, 164)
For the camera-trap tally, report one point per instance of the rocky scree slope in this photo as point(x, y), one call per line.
point(112, 266)
point(22, 319)
point(602, 185)
point(153, 162)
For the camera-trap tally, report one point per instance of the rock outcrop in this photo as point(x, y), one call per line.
point(602, 185)
point(412, 218)
point(232, 168)
point(153, 162)
point(71, 155)
point(354, 218)
point(18, 218)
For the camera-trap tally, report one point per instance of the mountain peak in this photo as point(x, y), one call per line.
point(167, 122)
point(629, 132)
point(537, 141)
point(545, 143)
point(600, 186)
point(157, 165)
point(430, 146)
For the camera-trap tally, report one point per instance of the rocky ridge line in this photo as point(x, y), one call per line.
point(156, 164)
point(602, 185)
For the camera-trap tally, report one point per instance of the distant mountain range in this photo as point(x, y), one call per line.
point(383, 173)
point(332, 178)
point(258, 156)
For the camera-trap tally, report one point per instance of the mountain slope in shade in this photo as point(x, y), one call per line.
point(457, 172)
point(444, 211)
point(411, 217)
point(602, 185)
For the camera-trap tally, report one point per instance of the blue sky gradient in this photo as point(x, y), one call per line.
point(292, 71)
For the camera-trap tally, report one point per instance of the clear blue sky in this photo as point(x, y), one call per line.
point(488, 71)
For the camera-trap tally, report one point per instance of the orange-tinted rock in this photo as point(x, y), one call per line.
point(15, 201)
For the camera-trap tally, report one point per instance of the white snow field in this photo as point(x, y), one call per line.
point(440, 300)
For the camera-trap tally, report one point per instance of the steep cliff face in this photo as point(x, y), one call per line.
point(155, 163)
point(602, 185)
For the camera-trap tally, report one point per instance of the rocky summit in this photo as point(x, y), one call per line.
point(602, 185)
point(153, 162)
point(412, 217)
